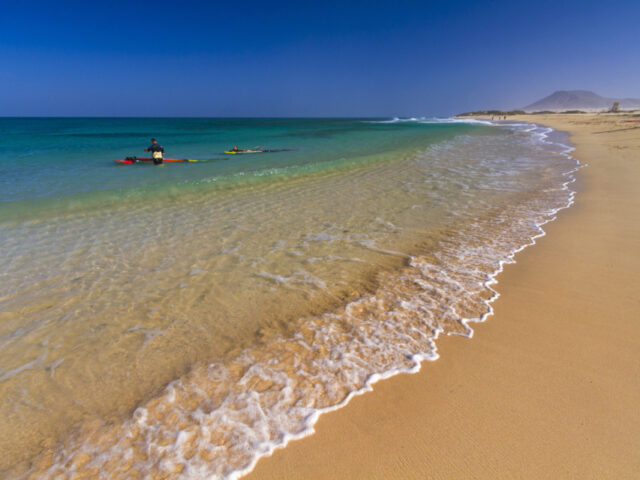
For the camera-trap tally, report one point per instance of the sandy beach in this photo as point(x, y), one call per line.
point(549, 386)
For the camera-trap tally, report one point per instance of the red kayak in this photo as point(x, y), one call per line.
point(130, 160)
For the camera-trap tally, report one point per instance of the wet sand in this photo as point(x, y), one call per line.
point(549, 386)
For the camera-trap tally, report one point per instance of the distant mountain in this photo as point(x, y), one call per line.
point(579, 100)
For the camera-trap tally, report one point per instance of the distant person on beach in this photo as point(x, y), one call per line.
point(157, 152)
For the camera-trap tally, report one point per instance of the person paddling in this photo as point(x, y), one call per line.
point(235, 149)
point(157, 152)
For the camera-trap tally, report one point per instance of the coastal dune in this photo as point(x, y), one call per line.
point(549, 386)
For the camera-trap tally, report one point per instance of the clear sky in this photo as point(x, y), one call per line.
point(326, 58)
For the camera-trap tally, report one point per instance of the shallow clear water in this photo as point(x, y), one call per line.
point(265, 287)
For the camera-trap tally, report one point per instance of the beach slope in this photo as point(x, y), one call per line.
point(549, 386)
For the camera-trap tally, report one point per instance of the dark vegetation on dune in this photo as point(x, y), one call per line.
point(492, 112)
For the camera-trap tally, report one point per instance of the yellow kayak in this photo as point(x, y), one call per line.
point(232, 152)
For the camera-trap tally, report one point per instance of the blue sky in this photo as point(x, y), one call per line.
point(347, 58)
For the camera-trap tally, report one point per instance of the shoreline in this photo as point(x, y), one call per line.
point(478, 413)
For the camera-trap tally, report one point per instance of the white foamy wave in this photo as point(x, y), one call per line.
point(397, 120)
point(433, 120)
point(455, 120)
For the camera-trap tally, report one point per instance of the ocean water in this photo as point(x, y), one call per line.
point(185, 320)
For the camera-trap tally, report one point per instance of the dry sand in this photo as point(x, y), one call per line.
point(549, 387)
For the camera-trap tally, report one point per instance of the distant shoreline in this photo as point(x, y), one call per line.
point(485, 113)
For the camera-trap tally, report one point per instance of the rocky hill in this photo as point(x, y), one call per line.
point(580, 100)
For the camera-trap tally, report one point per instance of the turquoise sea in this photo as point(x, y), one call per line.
point(69, 161)
point(184, 320)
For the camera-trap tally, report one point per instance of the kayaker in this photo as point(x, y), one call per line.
point(235, 149)
point(157, 152)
